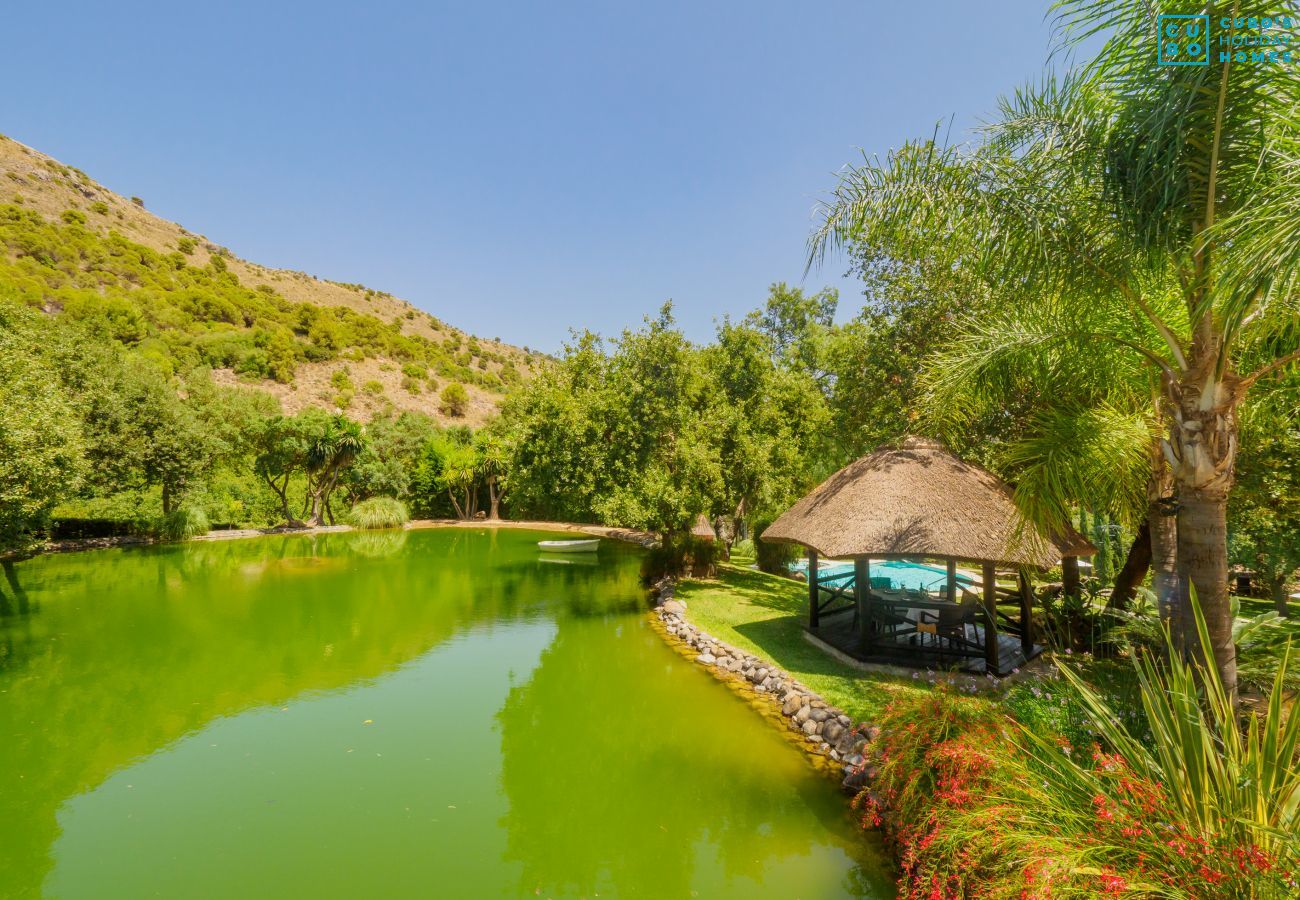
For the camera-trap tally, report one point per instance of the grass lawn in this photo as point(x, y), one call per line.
point(763, 614)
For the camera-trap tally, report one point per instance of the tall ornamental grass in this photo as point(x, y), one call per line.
point(979, 806)
point(182, 524)
point(379, 512)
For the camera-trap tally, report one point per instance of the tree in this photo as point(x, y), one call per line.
point(1264, 514)
point(394, 446)
point(1134, 191)
point(334, 443)
point(460, 477)
point(798, 326)
point(769, 419)
point(623, 437)
point(454, 400)
point(40, 436)
point(281, 445)
point(493, 460)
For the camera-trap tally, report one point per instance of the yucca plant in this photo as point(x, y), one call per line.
point(1218, 789)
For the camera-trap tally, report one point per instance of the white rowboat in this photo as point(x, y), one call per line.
point(588, 546)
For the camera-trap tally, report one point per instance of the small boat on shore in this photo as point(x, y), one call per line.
point(582, 546)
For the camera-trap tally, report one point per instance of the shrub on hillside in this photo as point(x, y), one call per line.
point(454, 400)
point(379, 512)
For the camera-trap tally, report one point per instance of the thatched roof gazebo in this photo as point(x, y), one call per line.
point(703, 528)
point(912, 501)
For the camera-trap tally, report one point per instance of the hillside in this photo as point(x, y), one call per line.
point(71, 246)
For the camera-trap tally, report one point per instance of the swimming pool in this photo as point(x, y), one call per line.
point(902, 575)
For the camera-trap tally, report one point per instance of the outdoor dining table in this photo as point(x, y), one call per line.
point(912, 607)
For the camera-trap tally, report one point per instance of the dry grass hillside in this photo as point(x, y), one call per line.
point(37, 182)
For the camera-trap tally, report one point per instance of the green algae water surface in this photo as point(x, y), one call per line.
point(441, 713)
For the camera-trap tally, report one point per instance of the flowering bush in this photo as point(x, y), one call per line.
point(1199, 807)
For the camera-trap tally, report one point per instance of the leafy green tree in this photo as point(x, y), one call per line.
point(1264, 514)
point(798, 326)
point(769, 420)
point(663, 462)
point(281, 444)
point(394, 446)
point(430, 497)
point(41, 459)
point(557, 435)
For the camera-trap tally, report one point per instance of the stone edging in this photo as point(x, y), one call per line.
point(824, 731)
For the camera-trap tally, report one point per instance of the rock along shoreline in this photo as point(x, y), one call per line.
point(826, 733)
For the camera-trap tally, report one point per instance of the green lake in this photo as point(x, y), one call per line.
point(435, 713)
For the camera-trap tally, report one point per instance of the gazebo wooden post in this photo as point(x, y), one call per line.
point(814, 617)
point(952, 580)
point(1026, 613)
point(991, 611)
point(1070, 576)
point(862, 594)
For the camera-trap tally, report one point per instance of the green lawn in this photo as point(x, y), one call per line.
point(763, 614)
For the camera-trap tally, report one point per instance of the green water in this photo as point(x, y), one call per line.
point(436, 713)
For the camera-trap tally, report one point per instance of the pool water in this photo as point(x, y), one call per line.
point(902, 574)
point(440, 713)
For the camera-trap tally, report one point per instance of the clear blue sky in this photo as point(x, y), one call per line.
point(515, 168)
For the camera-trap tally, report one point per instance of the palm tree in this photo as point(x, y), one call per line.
point(1152, 208)
point(330, 452)
point(493, 456)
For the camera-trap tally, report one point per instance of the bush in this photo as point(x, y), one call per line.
point(372, 387)
point(379, 512)
point(1194, 806)
point(772, 557)
point(182, 524)
point(679, 555)
point(100, 207)
point(186, 245)
point(455, 400)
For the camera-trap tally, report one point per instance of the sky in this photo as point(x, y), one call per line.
point(517, 169)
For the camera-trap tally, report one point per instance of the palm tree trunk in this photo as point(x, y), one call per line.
point(1202, 450)
point(1203, 564)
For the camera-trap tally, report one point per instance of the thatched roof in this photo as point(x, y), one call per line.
point(703, 528)
point(917, 499)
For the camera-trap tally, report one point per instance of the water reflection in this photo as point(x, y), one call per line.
point(613, 764)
